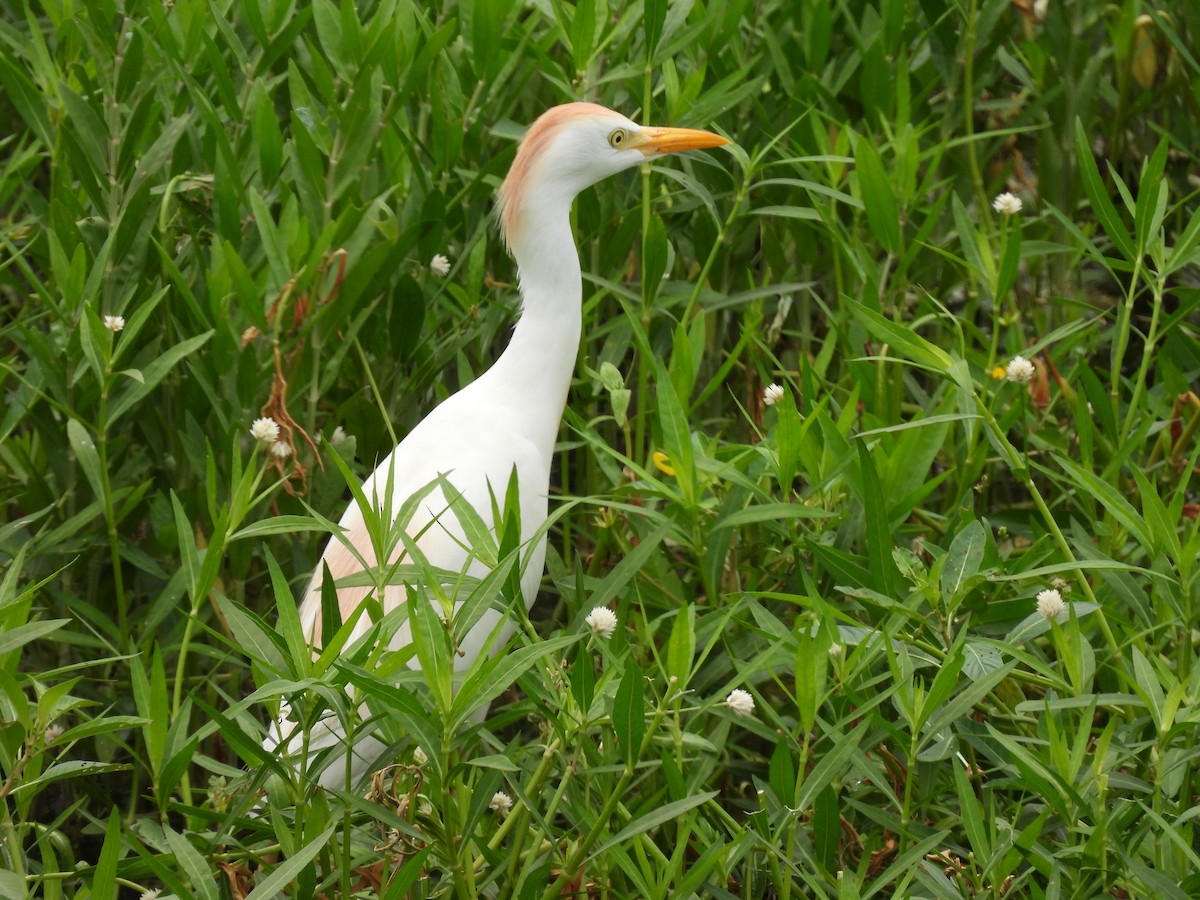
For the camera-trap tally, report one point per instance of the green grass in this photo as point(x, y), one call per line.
point(258, 190)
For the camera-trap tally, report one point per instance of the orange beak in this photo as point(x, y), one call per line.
point(656, 141)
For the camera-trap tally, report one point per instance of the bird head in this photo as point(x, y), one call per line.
point(571, 147)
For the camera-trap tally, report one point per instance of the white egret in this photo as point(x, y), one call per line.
point(507, 418)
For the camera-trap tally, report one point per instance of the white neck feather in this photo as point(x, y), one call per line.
point(533, 374)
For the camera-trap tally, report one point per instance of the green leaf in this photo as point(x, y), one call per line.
point(804, 213)
point(1101, 204)
point(879, 532)
point(1165, 539)
point(31, 631)
point(628, 714)
point(331, 608)
point(189, 859)
point(88, 128)
point(489, 678)
point(1148, 686)
point(289, 619)
point(102, 725)
point(833, 764)
point(277, 525)
point(329, 32)
point(789, 442)
point(911, 345)
point(583, 33)
point(966, 699)
point(155, 373)
point(431, 639)
point(12, 885)
point(979, 659)
point(943, 684)
point(676, 433)
point(84, 448)
point(811, 664)
point(104, 879)
point(971, 815)
point(583, 681)
point(398, 705)
point(151, 699)
point(963, 560)
point(827, 828)
point(268, 137)
point(1112, 500)
point(30, 102)
point(274, 245)
point(252, 636)
point(1010, 261)
point(883, 214)
point(654, 15)
point(654, 258)
point(681, 648)
point(628, 567)
point(1152, 196)
point(658, 816)
point(71, 769)
point(286, 872)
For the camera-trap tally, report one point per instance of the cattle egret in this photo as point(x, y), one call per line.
point(506, 419)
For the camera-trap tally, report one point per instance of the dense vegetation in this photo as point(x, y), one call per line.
point(257, 190)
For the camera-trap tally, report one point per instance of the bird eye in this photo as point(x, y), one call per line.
point(616, 140)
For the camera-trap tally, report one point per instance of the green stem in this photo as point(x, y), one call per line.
point(985, 210)
point(15, 853)
point(644, 364)
point(367, 371)
point(110, 516)
point(1139, 385)
point(910, 776)
point(1019, 469)
point(1124, 324)
point(517, 820)
point(702, 278)
point(579, 855)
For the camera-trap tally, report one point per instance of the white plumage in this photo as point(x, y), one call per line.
point(509, 417)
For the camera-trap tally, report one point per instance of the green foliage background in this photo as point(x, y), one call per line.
point(258, 188)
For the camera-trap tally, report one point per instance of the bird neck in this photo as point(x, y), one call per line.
point(534, 372)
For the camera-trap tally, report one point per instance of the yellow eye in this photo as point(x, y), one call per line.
point(616, 140)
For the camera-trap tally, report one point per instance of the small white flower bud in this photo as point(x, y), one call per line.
point(602, 621)
point(1050, 603)
point(265, 430)
point(740, 703)
point(1019, 370)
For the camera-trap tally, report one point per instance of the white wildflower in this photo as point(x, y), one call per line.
point(1007, 204)
point(439, 266)
point(740, 703)
point(339, 436)
point(114, 323)
point(281, 450)
point(1050, 603)
point(772, 394)
point(1040, 8)
point(602, 621)
point(265, 430)
point(836, 651)
point(501, 804)
point(151, 894)
point(53, 732)
point(1019, 370)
